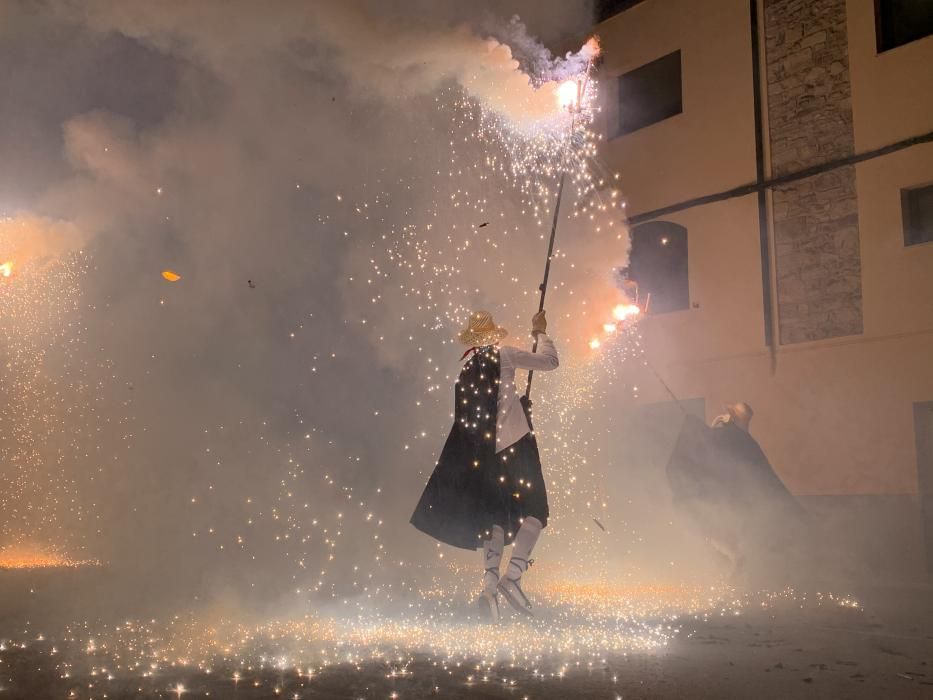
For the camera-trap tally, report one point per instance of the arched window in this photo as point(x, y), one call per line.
point(658, 265)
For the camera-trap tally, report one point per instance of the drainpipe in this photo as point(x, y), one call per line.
point(763, 233)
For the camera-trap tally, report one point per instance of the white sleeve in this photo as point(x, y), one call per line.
point(545, 359)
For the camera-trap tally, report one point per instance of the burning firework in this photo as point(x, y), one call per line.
point(568, 94)
point(624, 315)
point(436, 272)
point(26, 557)
point(623, 312)
point(45, 391)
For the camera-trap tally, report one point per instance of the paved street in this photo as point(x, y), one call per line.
point(882, 650)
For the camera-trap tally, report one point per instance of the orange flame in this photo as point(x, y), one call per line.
point(28, 558)
point(624, 311)
point(568, 92)
point(6, 269)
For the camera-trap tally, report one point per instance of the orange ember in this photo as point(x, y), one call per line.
point(23, 558)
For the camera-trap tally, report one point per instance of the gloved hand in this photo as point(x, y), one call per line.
point(538, 323)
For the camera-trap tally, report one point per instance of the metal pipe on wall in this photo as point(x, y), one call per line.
point(764, 238)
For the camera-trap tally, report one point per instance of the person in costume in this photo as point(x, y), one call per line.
point(487, 489)
point(722, 480)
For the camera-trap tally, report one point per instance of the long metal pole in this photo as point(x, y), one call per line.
point(581, 90)
point(547, 268)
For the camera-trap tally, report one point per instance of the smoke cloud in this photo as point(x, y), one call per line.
point(28, 239)
point(389, 57)
point(266, 157)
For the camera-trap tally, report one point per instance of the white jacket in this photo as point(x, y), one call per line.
point(511, 423)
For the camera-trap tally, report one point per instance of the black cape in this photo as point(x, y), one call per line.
point(459, 503)
point(721, 477)
point(472, 487)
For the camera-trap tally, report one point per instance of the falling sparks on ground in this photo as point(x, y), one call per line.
point(578, 627)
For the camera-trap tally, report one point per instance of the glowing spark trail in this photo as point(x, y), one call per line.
point(47, 413)
point(588, 626)
point(439, 265)
point(19, 557)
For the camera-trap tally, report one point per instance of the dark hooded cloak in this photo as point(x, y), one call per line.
point(721, 478)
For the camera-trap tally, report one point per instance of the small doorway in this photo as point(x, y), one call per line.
point(923, 431)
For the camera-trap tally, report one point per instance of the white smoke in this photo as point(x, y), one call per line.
point(506, 69)
point(534, 58)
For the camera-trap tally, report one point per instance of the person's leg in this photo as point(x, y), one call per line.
point(492, 558)
point(525, 540)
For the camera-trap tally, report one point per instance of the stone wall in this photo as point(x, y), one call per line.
point(816, 235)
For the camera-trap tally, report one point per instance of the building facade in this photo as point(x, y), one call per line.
point(776, 157)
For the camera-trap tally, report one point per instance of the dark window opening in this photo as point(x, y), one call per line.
point(917, 208)
point(658, 266)
point(650, 94)
point(607, 8)
point(899, 22)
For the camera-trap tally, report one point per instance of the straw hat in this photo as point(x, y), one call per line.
point(481, 330)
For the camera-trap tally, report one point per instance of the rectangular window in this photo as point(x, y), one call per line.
point(608, 8)
point(650, 94)
point(917, 208)
point(899, 22)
